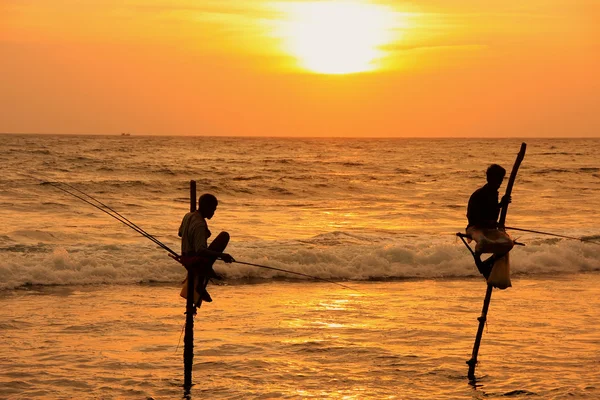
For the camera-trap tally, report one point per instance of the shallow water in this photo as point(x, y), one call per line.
point(90, 309)
point(404, 340)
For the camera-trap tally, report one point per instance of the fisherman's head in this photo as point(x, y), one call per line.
point(207, 205)
point(495, 175)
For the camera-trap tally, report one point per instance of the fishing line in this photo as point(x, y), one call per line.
point(553, 234)
point(296, 273)
point(180, 335)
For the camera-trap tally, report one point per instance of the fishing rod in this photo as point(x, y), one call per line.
point(553, 234)
point(116, 215)
point(120, 218)
point(130, 225)
point(140, 230)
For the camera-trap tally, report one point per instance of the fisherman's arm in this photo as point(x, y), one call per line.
point(204, 256)
point(202, 251)
point(207, 253)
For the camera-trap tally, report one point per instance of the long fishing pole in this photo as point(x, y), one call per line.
point(553, 234)
point(137, 229)
point(120, 218)
point(142, 232)
point(295, 273)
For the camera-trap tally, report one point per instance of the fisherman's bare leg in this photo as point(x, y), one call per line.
point(206, 271)
point(484, 266)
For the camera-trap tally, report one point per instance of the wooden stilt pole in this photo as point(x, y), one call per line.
point(473, 361)
point(511, 182)
point(488, 294)
point(190, 310)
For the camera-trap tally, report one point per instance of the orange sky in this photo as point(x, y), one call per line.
point(226, 67)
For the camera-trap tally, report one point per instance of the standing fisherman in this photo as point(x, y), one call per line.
point(195, 251)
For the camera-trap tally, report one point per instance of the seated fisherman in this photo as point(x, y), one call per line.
point(483, 211)
point(195, 252)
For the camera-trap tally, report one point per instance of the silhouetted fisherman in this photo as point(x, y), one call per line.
point(483, 211)
point(195, 252)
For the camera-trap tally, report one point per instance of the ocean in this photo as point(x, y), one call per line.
point(90, 309)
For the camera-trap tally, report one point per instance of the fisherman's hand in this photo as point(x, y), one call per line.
point(506, 200)
point(227, 258)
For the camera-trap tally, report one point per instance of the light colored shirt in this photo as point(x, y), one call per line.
point(194, 234)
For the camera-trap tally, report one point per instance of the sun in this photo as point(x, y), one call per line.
point(337, 37)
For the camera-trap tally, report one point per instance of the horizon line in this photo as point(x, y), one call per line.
point(128, 134)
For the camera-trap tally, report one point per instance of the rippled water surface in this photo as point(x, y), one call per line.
point(396, 340)
point(90, 309)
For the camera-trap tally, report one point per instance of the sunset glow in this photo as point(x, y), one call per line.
point(337, 37)
point(342, 68)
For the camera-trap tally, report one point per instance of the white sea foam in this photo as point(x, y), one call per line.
point(421, 258)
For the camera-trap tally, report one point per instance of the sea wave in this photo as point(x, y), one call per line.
point(334, 256)
point(284, 189)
